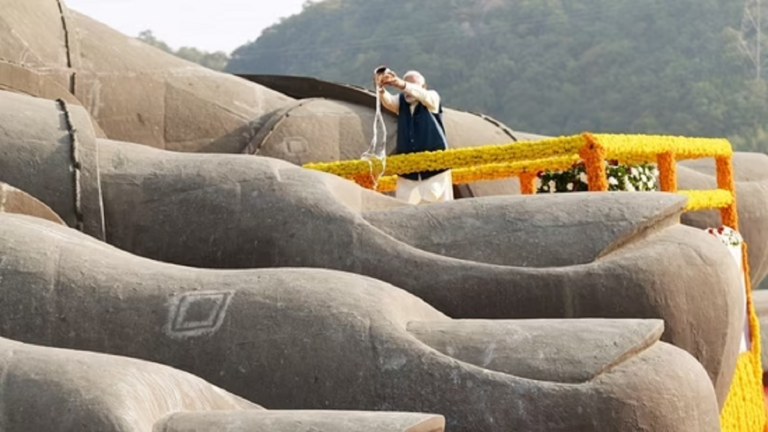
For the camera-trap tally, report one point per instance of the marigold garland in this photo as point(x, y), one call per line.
point(725, 181)
point(646, 148)
point(487, 172)
point(497, 171)
point(744, 409)
point(460, 157)
point(491, 162)
point(628, 149)
point(668, 171)
point(594, 156)
point(707, 199)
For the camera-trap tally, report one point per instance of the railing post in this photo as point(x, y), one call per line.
point(725, 181)
point(527, 184)
point(667, 171)
point(594, 156)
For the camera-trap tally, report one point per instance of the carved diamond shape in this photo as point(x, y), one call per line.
point(198, 312)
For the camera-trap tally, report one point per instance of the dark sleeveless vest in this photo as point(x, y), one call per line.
point(419, 132)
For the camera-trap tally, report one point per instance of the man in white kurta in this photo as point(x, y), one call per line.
point(435, 188)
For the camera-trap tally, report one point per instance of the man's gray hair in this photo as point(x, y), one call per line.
point(418, 77)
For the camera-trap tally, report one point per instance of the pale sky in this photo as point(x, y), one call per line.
point(210, 25)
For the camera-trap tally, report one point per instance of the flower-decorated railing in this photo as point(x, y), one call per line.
point(744, 409)
point(526, 160)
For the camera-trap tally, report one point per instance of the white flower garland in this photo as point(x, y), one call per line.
point(643, 177)
point(733, 240)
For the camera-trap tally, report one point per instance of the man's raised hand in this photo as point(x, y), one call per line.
point(387, 78)
point(391, 79)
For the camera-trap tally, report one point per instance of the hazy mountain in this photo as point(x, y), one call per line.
point(546, 66)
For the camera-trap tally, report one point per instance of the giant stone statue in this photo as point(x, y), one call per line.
point(495, 257)
point(181, 106)
point(320, 339)
point(58, 53)
point(47, 389)
point(498, 257)
point(60, 390)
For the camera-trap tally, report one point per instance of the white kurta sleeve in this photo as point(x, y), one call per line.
point(389, 101)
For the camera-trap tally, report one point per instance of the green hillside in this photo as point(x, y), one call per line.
point(212, 60)
point(545, 66)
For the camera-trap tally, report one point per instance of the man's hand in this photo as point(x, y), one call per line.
point(393, 80)
point(388, 78)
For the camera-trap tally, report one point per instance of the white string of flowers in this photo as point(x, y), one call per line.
point(733, 240)
point(378, 148)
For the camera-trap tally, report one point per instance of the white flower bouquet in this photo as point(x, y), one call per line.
point(642, 177)
point(727, 235)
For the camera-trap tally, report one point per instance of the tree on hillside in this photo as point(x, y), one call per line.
point(546, 66)
point(212, 60)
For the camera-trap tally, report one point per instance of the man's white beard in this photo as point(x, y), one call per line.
point(410, 99)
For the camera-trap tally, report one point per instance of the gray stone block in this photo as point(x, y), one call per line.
point(565, 256)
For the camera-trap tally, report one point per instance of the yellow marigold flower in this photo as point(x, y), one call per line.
point(707, 199)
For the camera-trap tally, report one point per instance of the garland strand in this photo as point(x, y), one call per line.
point(377, 151)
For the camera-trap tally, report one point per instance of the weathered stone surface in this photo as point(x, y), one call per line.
point(320, 339)
point(20, 79)
point(180, 106)
point(58, 390)
point(483, 230)
point(312, 129)
point(13, 200)
point(526, 348)
point(35, 35)
point(485, 258)
point(36, 123)
point(465, 262)
point(301, 421)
